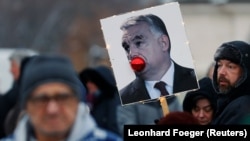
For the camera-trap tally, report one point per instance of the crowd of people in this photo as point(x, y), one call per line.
point(53, 104)
point(50, 101)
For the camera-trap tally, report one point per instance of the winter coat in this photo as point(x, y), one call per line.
point(84, 129)
point(105, 103)
point(7, 102)
point(233, 106)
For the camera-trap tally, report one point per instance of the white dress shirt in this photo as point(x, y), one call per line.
point(168, 78)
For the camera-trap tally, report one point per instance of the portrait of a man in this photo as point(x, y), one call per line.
point(147, 45)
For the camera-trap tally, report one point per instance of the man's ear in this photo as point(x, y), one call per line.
point(164, 42)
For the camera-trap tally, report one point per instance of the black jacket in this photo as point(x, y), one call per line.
point(7, 102)
point(233, 106)
point(184, 79)
point(105, 106)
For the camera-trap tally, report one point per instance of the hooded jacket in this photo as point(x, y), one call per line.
point(233, 106)
point(206, 90)
point(84, 129)
point(106, 100)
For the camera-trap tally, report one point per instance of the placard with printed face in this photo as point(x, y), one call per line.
point(148, 46)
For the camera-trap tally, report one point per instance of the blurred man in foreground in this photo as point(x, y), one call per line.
point(50, 97)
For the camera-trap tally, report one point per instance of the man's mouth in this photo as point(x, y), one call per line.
point(223, 82)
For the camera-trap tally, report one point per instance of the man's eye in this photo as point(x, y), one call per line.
point(138, 43)
point(41, 99)
point(44, 99)
point(126, 47)
point(62, 97)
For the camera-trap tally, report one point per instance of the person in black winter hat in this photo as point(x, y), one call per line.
point(201, 103)
point(50, 94)
point(102, 95)
point(231, 82)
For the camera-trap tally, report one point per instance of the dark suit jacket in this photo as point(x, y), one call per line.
point(184, 79)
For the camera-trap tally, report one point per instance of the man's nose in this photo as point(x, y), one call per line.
point(52, 106)
point(222, 70)
point(133, 51)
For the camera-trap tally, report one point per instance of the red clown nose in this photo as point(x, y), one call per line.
point(137, 64)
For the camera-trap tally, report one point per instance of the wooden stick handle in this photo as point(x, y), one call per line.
point(164, 105)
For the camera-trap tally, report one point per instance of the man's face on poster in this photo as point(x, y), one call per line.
point(139, 41)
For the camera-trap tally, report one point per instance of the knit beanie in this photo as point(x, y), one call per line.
point(42, 69)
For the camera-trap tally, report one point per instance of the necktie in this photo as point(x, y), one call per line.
point(161, 86)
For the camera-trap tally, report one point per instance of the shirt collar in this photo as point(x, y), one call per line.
point(168, 78)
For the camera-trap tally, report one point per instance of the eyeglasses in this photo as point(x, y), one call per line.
point(43, 99)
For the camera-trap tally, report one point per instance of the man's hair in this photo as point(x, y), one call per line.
point(155, 23)
point(19, 54)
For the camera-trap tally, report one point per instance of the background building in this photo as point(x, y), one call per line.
point(72, 27)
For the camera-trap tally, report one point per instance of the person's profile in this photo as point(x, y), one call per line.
point(149, 53)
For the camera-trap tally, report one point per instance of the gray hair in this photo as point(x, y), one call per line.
point(157, 26)
point(19, 54)
point(155, 23)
